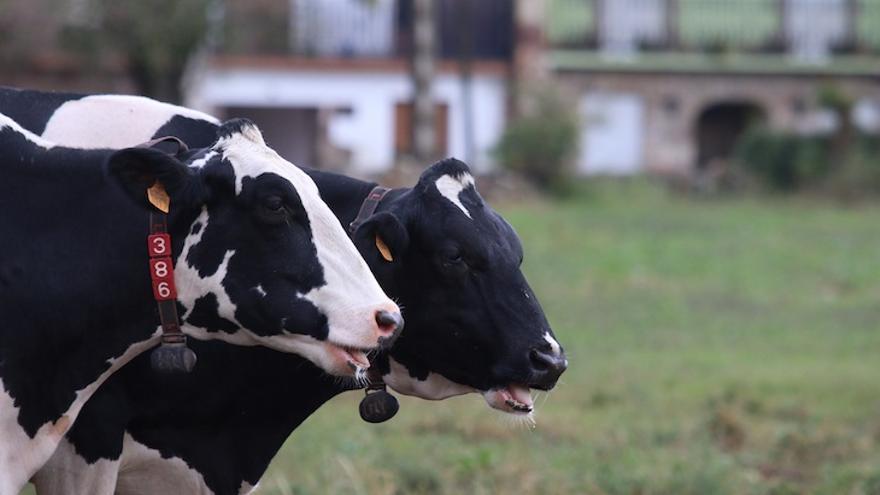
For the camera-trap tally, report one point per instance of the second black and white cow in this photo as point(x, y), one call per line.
point(473, 325)
point(260, 260)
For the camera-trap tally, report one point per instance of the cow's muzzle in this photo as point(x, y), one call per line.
point(546, 367)
point(390, 325)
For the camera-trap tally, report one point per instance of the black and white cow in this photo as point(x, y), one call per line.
point(473, 325)
point(260, 260)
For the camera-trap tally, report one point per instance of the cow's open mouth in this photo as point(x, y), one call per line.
point(355, 358)
point(513, 399)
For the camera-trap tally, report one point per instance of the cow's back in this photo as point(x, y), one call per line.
point(105, 120)
point(32, 109)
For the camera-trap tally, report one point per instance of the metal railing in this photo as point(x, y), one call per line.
point(806, 28)
point(366, 29)
point(344, 28)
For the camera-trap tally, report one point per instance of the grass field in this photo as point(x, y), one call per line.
point(716, 347)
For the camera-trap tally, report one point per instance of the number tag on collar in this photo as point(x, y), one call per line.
point(158, 197)
point(159, 245)
point(164, 289)
point(383, 249)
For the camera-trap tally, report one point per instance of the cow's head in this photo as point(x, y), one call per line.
point(473, 322)
point(263, 261)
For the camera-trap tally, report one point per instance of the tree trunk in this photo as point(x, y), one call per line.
point(465, 58)
point(672, 37)
point(424, 146)
point(529, 63)
point(782, 27)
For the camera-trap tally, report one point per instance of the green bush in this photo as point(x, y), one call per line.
point(843, 164)
point(540, 146)
point(787, 162)
point(782, 161)
point(858, 175)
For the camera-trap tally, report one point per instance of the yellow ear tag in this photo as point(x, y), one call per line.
point(158, 197)
point(383, 249)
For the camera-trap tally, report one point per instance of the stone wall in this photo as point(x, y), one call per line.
point(672, 104)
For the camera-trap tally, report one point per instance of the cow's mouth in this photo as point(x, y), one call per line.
point(354, 357)
point(513, 399)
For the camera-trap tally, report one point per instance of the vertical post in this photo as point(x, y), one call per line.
point(293, 13)
point(529, 64)
point(852, 23)
point(672, 37)
point(465, 57)
point(782, 28)
point(422, 73)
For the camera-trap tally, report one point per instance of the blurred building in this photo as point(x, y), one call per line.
point(669, 85)
point(329, 80)
point(39, 49)
point(659, 85)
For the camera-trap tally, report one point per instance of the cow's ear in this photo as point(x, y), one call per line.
point(384, 235)
point(139, 169)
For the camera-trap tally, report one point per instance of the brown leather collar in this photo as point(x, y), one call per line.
point(378, 405)
point(162, 142)
point(368, 208)
point(172, 355)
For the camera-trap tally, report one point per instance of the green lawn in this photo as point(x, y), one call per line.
point(716, 347)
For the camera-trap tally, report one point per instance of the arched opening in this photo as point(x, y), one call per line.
point(719, 127)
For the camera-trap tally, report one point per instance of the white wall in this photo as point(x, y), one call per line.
point(612, 133)
point(866, 114)
point(368, 130)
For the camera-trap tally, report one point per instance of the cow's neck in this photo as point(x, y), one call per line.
point(82, 250)
point(284, 389)
point(345, 195)
point(85, 245)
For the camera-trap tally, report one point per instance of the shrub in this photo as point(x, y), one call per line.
point(540, 146)
point(857, 176)
point(787, 162)
point(783, 162)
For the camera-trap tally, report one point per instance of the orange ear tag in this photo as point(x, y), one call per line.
point(158, 197)
point(383, 249)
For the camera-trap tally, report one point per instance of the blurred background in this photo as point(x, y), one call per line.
point(696, 183)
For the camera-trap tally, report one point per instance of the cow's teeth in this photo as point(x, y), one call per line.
point(518, 406)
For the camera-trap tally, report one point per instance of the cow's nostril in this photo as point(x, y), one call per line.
point(540, 361)
point(389, 322)
point(546, 368)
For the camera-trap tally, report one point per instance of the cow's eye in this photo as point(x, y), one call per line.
point(452, 257)
point(274, 204)
point(272, 210)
